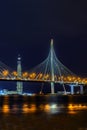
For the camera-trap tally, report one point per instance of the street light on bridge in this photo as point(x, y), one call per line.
point(5, 73)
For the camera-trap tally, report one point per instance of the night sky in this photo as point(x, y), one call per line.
point(26, 27)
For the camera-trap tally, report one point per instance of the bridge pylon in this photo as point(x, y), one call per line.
point(19, 72)
point(52, 68)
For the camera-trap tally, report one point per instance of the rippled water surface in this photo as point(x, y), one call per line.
point(21, 113)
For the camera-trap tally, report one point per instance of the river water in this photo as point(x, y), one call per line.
point(22, 113)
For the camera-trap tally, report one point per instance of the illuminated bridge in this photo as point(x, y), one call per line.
point(51, 70)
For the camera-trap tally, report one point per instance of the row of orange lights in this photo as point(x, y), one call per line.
point(33, 75)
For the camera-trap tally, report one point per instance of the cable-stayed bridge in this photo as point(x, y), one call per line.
point(51, 70)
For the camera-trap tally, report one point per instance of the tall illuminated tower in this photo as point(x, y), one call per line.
point(52, 68)
point(19, 72)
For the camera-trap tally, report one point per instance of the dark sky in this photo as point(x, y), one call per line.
point(26, 27)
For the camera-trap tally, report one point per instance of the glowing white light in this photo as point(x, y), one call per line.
point(53, 106)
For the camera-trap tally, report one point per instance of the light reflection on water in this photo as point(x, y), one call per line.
point(49, 108)
point(23, 114)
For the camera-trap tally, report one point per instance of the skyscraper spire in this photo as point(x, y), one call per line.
point(19, 72)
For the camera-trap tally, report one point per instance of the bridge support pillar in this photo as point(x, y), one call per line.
point(72, 89)
point(52, 88)
point(81, 89)
point(52, 67)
